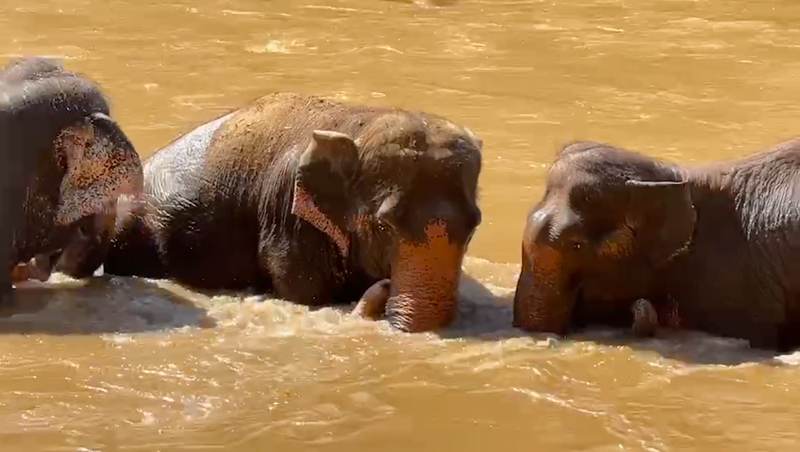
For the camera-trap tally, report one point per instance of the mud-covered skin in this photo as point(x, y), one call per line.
point(314, 201)
point(713, 248)
point(72, 161)
point(372, 305)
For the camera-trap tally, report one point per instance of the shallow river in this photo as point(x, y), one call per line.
point(134, 365)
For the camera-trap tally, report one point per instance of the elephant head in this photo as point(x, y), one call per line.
point(101, 167)
point(400, 201)
point(84, 162)
point(608, 222)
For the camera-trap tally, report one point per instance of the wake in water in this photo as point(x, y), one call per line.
point(117, 305)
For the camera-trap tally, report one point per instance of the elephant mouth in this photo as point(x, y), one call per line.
point(558, 300)
point(589, 312)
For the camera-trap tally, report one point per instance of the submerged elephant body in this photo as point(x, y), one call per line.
point(714, 248)
point(65, 162)
point(314, 201)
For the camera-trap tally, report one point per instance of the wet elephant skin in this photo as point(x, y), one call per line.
point(713, 248)
point(66, 161)
point(314, 201)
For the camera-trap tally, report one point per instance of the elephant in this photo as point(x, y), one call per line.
point(66, 161)
point(312, 200)
point(712, 248)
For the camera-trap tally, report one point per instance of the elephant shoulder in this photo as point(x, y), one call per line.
point(175, 168)
point(258, 136)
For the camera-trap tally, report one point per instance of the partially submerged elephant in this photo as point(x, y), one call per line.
point(714, 248)
point(314, 201)
point(65, 162)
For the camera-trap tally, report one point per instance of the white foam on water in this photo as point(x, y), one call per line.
point(123, 307)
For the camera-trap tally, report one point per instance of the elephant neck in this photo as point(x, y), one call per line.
point(719, 234)
point(731, 196)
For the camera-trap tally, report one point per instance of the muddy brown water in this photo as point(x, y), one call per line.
point(125, 364)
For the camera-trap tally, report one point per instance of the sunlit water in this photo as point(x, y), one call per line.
point(128, 364)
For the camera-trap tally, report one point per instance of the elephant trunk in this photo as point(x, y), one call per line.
point(544, 301)
point(425, 277)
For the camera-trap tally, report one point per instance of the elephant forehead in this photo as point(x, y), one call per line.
point(555, 218)
point(88, 172)
point(584, 201)
point(605, 165)
point(75, 138)
point(438, 153)
point(579, 189)
point(566, 174)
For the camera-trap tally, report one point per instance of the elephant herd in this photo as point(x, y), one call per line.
point(321, 202)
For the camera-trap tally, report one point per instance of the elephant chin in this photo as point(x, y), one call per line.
point(543, 302)
point(425, 277)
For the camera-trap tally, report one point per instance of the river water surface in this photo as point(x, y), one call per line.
point(135, 365)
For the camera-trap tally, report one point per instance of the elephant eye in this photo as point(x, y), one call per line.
point(383, 224)
point(577, 245)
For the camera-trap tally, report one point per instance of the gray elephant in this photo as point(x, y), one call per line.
point(314, 201)
point(714, 248)
point(65, 163)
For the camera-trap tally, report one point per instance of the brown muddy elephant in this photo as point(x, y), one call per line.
point(313, 201)
point(714, 248)
point(65, 162)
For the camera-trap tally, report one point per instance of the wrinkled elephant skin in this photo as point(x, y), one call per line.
point(65, 162)
point(621, 239)
point(314, 201)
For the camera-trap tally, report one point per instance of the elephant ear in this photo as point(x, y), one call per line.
point(101, 164)
point(322, 185)
point(662, 216)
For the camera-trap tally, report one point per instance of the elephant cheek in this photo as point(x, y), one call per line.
point(543, 301)
point(425, 280)
point(78, 205)
point(99, 198)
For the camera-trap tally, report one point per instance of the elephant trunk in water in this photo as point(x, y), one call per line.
point(544, 299)
point(425, 277)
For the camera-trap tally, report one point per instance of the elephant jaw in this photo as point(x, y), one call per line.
point(424, 288)
point(543, 301)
